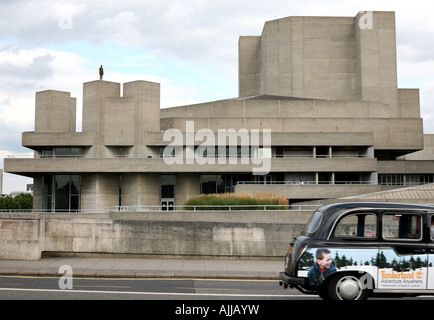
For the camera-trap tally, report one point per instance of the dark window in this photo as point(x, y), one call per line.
point(431, 229)
point(208, 184)
point(360, 225)
point(402, 226)
point(167, 182)
point(61, 192)
point(47, 192)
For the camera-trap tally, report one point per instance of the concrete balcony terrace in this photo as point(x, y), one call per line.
point(311, 189)
point(154, 164)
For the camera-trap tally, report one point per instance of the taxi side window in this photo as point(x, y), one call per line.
point(402, 226)
point(357, 225)
point(432, 227)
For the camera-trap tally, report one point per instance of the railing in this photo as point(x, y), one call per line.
point(189, 208)
point(32, 156)
point(303, 182)
point(161, 208)
point(59, 211)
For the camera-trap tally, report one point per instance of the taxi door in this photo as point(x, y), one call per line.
point(430, 250)
point(403, 255)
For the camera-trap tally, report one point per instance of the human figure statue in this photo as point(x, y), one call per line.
point(101, 72)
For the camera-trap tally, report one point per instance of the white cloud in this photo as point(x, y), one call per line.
point(427, 106)
point(189, 46)
point(121, 27)
point(12, 182)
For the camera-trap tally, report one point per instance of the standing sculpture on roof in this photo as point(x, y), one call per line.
point(101, 72)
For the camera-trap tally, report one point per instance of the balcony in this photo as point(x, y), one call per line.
point(311, 189)
point(118, 164)
point(35, 140)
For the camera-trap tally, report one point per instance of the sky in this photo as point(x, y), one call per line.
point(189, 46)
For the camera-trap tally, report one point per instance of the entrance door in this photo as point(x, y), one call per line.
point(167, 204)
point(167, 191)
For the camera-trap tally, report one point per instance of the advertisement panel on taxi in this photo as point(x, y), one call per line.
point(388, 269)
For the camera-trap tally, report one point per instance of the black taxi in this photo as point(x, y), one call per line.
point(350, 251)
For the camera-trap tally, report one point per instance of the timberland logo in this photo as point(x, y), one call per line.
point(401, 275)
point(228, 147)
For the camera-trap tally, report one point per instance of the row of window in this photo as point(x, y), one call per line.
point(405, 179)
point(278, 152)
point(61, 152)
point(395, 226)
point(62, 192)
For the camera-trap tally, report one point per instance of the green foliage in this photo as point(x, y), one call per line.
point(231, 201)
point(23, 201)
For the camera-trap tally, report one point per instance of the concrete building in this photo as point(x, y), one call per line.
point(318, 103)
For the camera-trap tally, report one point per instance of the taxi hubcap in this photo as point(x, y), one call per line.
point(348, 288)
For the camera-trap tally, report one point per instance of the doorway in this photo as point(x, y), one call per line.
point(167, 192)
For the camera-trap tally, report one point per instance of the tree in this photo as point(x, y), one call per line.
point(23, 201)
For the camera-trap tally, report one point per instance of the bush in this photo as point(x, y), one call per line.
point(231, 201)
point(23, 201)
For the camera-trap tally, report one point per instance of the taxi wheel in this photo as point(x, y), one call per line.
point(347, 287)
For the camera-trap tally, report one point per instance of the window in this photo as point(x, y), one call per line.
point(432, 227)
point(60, 152)
point(210, 184)
point(47, 153)
point(61, 192)
point(47, 192)
point(360, 225)
point(167, 184)
point(315, 222)
point(402, 226)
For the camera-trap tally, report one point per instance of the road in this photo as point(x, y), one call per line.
point(163, 298)
point(53, 288)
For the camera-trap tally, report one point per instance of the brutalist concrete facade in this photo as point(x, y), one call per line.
point(324, 87)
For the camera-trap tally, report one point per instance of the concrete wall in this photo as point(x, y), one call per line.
point(428, 150)
point(331, 58)
point(120, 121)
point(182, 234)
point(55, 111)
point(20, 236)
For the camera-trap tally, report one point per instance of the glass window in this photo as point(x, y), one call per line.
point(357, 225)
point(220, 184)
point(47, 191)
point(47, 153)
point(62, 152)
point(76, 152)
point(208, 184)
point(75, 184)
point(61, 192)
point(314, 222)
point(211, 183)
point(62, 186)
point(167, 183)
point(402, 226)
point(432, 227)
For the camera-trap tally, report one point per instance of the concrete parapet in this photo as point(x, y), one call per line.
point(216, 234)
point(170, 238)
point(20, 236)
